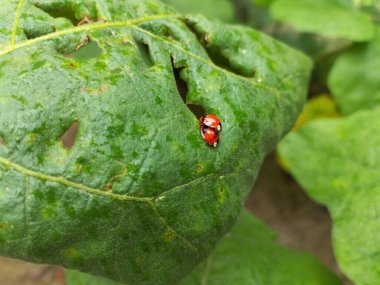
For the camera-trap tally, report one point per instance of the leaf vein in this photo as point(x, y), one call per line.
point(133, 24)
point(205, 61)
point(78, 29)
point(61, 180)
point(165, 223)
point(16, 22)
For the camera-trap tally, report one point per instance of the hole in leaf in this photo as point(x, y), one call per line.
point(59, 11)
point(68, 138)
point(197, 110)
point(183, 90)
point(87, 51)
point(145, 53)
point(181, 84)
point(216, 55)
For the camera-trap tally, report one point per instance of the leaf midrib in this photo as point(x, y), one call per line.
point(133, 24)
point(123, 197)
point(16, 22)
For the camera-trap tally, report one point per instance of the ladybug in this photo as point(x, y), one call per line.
point(210, 127)
point(211, 121)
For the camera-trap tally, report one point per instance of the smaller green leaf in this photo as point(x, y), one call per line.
point(251, 255)
point(338, 164)
point(355, 80)
point(331, 18)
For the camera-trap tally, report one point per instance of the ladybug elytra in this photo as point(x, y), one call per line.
point(211, 121)
point(210, 127)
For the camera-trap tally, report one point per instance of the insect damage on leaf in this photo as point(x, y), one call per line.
point(138, 169)
point(68, 138)
point(219, 53)
point(183, 90)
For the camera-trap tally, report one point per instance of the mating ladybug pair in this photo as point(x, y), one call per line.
point(211, 128)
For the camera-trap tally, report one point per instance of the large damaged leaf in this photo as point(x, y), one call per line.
point(137, 196)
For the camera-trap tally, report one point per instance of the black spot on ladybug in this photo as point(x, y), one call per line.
point(68, 138)
point(183, 90)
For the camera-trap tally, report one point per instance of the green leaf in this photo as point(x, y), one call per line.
point(337, 162)
point(251, 255)
point(354, 80)
point(137, 197)
point(214, 9)
point(331, 18)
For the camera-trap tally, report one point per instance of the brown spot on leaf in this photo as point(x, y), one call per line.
point(107, 187)
point(170, 236)
point(68, 138)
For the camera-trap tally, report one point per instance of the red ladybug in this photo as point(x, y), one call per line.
point(210, 127)
point(210, 136)
point(211, 121)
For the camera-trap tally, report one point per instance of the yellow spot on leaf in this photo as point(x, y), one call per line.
point(168, 236)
